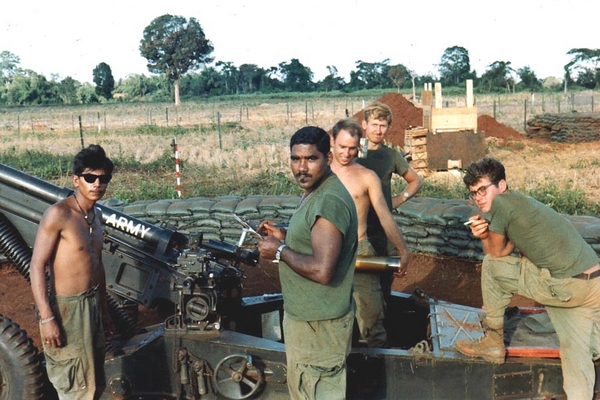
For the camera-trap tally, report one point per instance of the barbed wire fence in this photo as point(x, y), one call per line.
point(119, 116)
point(218, 117)
point(235, 137)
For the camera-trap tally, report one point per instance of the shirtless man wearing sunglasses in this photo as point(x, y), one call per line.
point(71, 304)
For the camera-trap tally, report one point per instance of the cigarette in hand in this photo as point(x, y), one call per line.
point(469, 222)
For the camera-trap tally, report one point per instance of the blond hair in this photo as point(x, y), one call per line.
point(378, 110)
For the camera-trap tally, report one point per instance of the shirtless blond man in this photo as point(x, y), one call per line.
point(365, 188)
point(72, 304)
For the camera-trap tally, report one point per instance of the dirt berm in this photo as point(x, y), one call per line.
point(407, 115)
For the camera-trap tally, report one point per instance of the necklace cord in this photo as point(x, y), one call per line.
point(84, 213)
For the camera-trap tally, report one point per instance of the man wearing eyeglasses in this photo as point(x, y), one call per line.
point(533, 251)
point(71, 304)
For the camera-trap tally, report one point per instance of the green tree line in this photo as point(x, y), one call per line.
point(179, 59)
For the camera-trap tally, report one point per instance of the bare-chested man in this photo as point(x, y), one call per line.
point(72, 304)
point(365, 187)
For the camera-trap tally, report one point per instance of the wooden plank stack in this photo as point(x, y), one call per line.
point(415, 146)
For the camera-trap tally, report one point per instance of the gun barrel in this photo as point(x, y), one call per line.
point(27, 197)
point(377, 263)
point(39, 188)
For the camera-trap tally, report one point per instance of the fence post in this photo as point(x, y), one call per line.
point(219, 129)
point(543, 103)
point(167, 115)
point(525, 115)
point(177, 172)
point(572, 101)
point(99, 125)
point(306, 112)
point(81, 132)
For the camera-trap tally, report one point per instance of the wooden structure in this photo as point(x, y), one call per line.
point(448, 138)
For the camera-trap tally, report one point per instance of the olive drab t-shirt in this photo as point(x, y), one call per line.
point(306, 300)
point(385, 162)
point(541, 234)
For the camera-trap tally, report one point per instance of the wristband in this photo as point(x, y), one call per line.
point(278, 253)
point(44, 321)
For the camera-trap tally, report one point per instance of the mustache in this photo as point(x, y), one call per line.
point(303, 174)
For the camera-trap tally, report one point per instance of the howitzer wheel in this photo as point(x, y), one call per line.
point(21, 372)
point(235, 377)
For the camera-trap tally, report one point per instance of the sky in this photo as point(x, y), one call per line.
point(70, 38)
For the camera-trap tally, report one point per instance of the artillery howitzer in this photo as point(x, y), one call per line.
point(214, 343)
point(196, 283)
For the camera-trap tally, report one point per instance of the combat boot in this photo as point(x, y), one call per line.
point(490, 346)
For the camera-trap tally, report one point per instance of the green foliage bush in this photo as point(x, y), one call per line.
point(41, 164)
point(571, 201)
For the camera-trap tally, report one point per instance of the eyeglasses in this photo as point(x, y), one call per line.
point(91, 178)
point(481, 191)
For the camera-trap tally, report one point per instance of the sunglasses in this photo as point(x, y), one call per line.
point(91, 178)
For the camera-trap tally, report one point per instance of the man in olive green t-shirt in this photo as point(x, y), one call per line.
point(316, 272)
point(385, 162)
point(556, 268)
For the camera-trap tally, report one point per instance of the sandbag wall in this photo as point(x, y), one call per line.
point(429, 225)
point(565, 127)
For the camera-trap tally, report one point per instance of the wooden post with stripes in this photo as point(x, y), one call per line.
point(177, 173)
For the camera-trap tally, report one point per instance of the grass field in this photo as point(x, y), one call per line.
point(238, 145)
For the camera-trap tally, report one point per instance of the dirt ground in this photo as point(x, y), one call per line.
point(449, 279)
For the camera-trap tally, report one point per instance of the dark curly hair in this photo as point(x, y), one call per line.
point(487, 166)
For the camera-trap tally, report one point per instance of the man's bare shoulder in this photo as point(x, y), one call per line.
point(61, 208)
point(364, 173)
point(356, 168)
point(58, 213)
